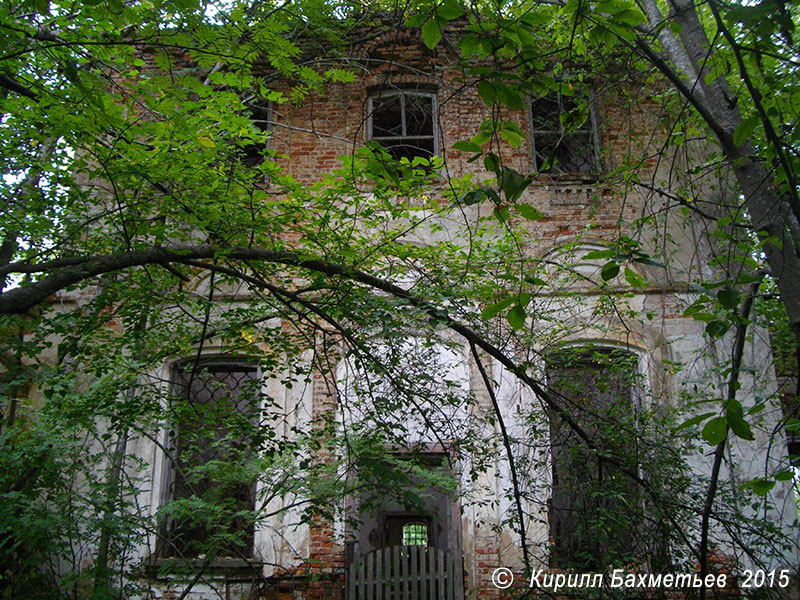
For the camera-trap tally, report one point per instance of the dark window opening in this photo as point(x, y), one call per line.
point(406, 530)
point(212, 492)
point(252, 155)
point(594, 506)
point(406, 499)
point(564, 140)
point(404, 122)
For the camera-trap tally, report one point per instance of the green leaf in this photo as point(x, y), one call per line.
point(490, 193)
point(417, 19)
point(760, 486)
point(748, 14)
point(513, 183)
point(733, 406)
point(609, 271)
point(634, 278)
point(487, 92)
point(493, 309)
point(492, 162)
point(745, 128)
point(696, 420)
point(716, 328)
point(431, 33)
point(549, 163)
point(186, 5)
point(784, 476)
point(600, 254)
point(516, 317)
point(536, 280)
point(511, 126)
point(502, 213)
point(340, 75)
point(528, 211)
point(42, 7)
point(481, 138)
point(467, 147)
point(696, 312)
point(739, 426)
point(535, 18)
point(420, 161)
point(469, 45)
point(524, 299)
point(449, 10)
point(647, 260)
point(206, 142)
point(612, 6)
point(629, 17)
point(604, 36)
point(471, 197)
point(509, 96)
point(514, 139)
point(729, 297)
point(735, 417)
point(715, 431)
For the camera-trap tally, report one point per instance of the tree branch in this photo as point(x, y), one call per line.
point(509, 454)
point(719, 451)
point(14, 86)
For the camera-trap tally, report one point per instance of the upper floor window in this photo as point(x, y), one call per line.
point(404, 121)
point(261, 116)
point(564, 135)
point(214, 434)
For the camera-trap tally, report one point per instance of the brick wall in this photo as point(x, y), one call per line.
point(311, 137)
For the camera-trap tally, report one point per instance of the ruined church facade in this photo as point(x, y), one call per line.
point(451, 541)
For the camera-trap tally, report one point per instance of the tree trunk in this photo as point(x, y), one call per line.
point(770, 211)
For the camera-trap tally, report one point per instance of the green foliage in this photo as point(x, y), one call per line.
point(126, 129)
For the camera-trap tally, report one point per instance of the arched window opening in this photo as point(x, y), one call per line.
point(594, 505)
point(213, 408)
point(415, 533)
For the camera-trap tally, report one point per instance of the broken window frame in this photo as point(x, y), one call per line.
point(588, 129)
point(175, 486)
point(394, 142)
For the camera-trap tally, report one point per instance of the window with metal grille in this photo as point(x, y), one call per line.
point(211, 492)
point(594, 506)
point(415, 533)
point(409, 529)
point(564, 136)
point(404, 122)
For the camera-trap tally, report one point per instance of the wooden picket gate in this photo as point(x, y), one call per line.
point(406, 573)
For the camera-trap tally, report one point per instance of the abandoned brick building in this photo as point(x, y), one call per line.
point(419, 103)
point(640, 360)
